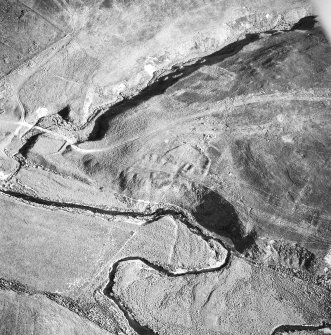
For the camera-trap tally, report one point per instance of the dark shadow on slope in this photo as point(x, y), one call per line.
point(219, 216)
point(101, 123)
point(65, 113)
point(28, 145)
point(163, 83)
point(306, 23)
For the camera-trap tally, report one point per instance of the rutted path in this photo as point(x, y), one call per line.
point(226, 105)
